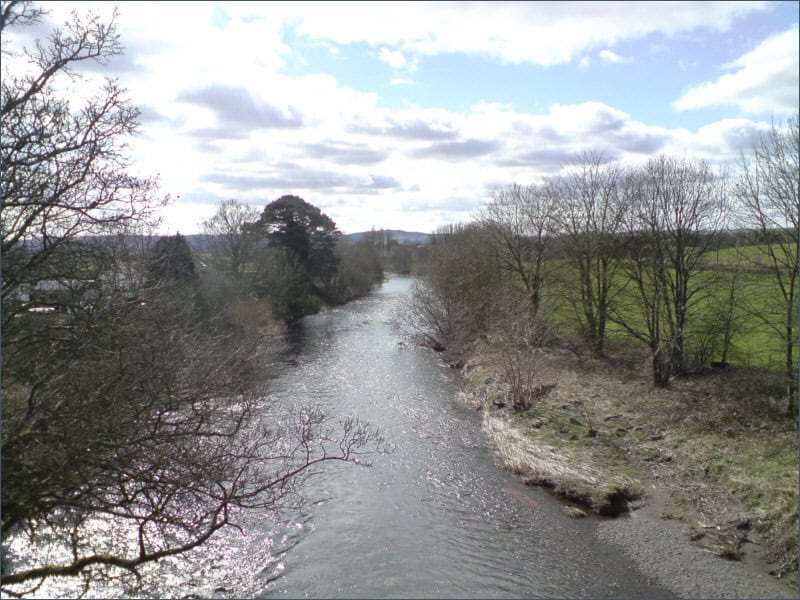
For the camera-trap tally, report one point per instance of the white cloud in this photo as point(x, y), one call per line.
point(720, 142)
point(394, 58)
point(765, 80)
point(387, 164)
point(536, 33)
point(607, 56)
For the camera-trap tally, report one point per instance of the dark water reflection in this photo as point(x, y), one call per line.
point(435, 517)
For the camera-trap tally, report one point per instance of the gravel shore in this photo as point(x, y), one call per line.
point(660, 552)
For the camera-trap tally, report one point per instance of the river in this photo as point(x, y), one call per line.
point(434, 517)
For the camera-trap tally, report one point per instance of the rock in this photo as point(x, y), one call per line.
point(621, 431)
point(542, 390)
point(574, 511)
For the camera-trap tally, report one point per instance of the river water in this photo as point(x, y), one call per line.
point(436, 516)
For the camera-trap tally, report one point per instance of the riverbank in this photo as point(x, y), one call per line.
point(709, 467)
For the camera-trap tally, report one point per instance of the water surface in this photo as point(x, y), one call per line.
point(436, 516)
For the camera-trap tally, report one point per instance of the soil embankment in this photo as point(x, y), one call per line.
point(709, 467)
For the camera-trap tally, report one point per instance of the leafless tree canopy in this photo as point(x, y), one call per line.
point(591, 213)
point(64, 166)
point(233, 245)
point(678, 206)
point(521, 219)
point(769, 200)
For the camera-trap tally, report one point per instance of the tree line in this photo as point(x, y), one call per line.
point(686, 261)
point(293, 257)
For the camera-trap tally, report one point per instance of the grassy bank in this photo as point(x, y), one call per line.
point(713, 452)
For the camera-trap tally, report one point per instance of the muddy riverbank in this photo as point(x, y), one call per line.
point(711, 488)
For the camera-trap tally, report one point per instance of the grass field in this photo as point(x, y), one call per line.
point(757, 317)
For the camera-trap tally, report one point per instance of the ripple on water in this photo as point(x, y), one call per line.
point(434, 517)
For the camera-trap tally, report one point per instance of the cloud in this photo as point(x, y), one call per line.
point(150, 115)
point(384, 182)
point(255, 124)
point(220, 17)
point(471, 148)
point(764, 80)
point(544, 143)
point(533, 33)
point(607, 56)
point(236, 106)
point(719, 142)
point(212, 134)
point(395, 59)
point(539, 159)
point(410, 127)
point(291, 177)
point(344, 153)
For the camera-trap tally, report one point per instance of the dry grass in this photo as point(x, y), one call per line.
point(716, 446)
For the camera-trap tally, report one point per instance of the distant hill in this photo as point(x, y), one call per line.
point(410, 238)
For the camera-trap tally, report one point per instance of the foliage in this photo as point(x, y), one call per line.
point(521, 221)
point(281, 279)
point(171, 263)
point(298, 270)
point(460, 294)
point(360, 270)
point(677, 205)
point(292, 223)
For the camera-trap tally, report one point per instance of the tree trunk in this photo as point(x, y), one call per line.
point(791, 404)
point(662, 369)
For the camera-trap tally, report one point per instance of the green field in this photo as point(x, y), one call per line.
point(757, 317)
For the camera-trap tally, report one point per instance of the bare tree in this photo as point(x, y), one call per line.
point(232, 243)
point(123, 407)
point(678, 207)
point(63, 166)
point(135, 416)
point(592, 210)
point(521, 220)
point(767, 191)
point(460, 293)
point(133, 413)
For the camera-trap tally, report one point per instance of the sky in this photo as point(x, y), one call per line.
point(409, 115)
